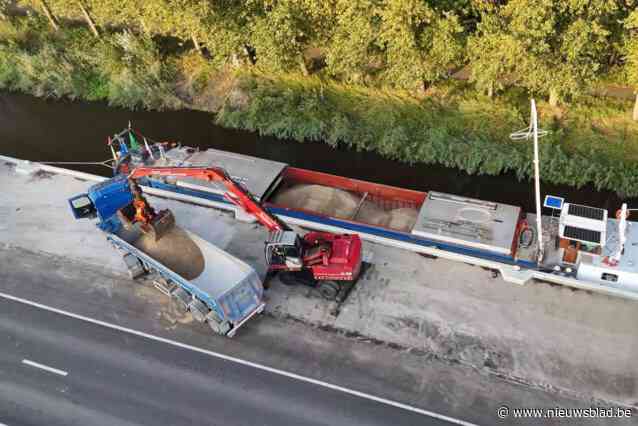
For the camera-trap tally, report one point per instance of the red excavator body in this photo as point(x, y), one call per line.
point(333, 257)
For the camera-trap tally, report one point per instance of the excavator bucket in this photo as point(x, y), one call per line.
point(161, 224)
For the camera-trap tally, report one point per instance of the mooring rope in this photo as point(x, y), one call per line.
point(105, 163)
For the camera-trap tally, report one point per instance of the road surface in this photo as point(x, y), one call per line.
point(324, 355)
point(57, 370)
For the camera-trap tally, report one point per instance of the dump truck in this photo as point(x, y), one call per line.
point(216, 287)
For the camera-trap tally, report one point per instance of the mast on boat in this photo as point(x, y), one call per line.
point(533, 131)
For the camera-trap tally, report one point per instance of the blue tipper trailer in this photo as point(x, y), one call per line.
point(216, 287)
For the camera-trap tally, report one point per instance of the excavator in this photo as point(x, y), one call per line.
point(329, 262)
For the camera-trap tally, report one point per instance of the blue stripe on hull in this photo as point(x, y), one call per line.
point(352, 227)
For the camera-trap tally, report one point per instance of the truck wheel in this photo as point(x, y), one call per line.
point(181, 299)
point(134, 266)
point(198, 309)
point(216, 324)
point(328, 289)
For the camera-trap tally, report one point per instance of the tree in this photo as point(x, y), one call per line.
point(281, 31)
point(631, 50)
point(277, 35)
point(564, 43)
point(353, 51)
point(419, 43)
point(493, 54)
point(555, 47)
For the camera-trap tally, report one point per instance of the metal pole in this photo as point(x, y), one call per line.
point(537, 185)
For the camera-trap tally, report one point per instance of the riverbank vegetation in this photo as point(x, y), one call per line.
point(422, 82)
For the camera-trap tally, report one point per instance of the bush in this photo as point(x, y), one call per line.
point(124, 69)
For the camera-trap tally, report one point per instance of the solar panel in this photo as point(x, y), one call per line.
point(585, 211)
point(581, 234)
point(553, 202)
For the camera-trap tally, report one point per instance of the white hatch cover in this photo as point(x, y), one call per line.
point(256, 174)
point(468, 222)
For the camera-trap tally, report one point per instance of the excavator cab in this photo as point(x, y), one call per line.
point(284, 250)
point(82, 207)
point(117, 198)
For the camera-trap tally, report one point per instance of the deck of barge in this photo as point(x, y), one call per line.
point(529, 252)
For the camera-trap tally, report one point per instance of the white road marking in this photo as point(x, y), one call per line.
point(240, 361)
point(44, 367)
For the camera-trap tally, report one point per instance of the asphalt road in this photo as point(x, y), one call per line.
point(57, 370)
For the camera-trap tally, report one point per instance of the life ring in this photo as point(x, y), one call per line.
point(619, 214)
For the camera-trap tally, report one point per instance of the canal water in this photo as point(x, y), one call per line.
point(47, 130)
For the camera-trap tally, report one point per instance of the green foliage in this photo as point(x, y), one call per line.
point(493, 55)
point(281, 30)
point(420, 45)
point(402, 26)
point(124, 69)
point(353, 52)
point(556, 47)
point(548, 46)
point(277, 34)
point(631, 49)
point(140, 76)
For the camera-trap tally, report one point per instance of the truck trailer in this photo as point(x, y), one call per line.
point(216, 287)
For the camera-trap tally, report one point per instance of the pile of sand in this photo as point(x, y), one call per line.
point(401, 219)
point(320, 199)
point(343, 204)
point(176, 251)
point(373, 214)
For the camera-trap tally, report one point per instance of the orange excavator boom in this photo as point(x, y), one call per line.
point(236, 194)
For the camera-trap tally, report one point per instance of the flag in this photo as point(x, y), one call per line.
point(134, 144)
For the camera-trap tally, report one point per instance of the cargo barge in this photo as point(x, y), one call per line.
point(582, 247)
